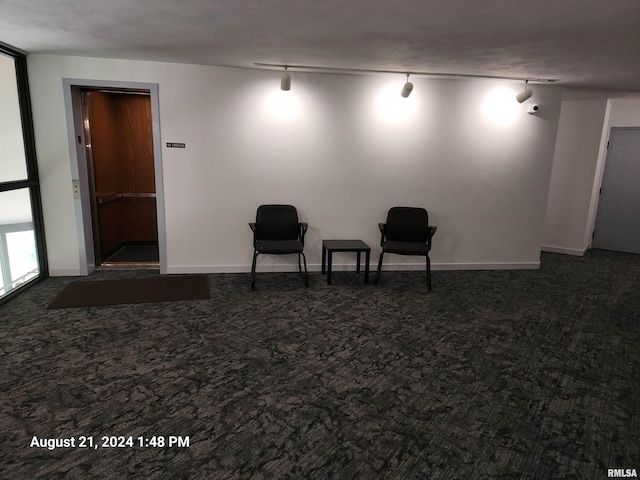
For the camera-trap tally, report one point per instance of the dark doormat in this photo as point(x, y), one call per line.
point(90, 293)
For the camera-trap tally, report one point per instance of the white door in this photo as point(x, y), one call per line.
point(618, 217)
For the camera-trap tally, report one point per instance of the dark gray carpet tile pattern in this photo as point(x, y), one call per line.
point(494, 374)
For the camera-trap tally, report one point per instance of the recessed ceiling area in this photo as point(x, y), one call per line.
point(582, 43)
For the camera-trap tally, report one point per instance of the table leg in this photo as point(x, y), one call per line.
point(366, 265)
point(324, 257)
point(329, 267)
point(358, 264)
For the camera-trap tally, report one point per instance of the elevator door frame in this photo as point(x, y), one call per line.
point(80, 175)
point(91, 172)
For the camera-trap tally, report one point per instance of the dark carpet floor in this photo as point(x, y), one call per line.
point(494, 374)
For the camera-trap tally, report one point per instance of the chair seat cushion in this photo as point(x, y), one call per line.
point(278, 247)
point(406, 248)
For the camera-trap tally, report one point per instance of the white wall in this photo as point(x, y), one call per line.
point(332, 152)
point(572, 177)
point(585, 122)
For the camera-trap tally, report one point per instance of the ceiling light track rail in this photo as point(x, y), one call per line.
point(311, 68)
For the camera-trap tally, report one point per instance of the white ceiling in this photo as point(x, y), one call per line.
point(582, 43)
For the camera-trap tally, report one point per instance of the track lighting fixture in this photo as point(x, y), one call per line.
point(407, 88)
point(525, 94)
point(285, 80)
point(316, 68)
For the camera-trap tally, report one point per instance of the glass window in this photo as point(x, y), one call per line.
point(22, 253)
point(3, 288)
point(23, 259)
point(18, 250)
point(13, 165)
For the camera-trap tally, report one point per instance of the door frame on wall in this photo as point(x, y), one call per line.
point(618, 114)
point(79, 174)
point(616, 204)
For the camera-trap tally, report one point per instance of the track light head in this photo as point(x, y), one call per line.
point(525, 94)
point(407, 88)
point(285, 80)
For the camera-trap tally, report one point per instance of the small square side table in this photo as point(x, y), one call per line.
point(357, 246)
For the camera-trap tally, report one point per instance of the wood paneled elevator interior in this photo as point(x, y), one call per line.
point(119, 144)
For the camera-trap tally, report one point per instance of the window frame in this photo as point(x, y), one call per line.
point(32, 182)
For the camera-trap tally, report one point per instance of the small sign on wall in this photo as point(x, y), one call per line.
point(175, 145)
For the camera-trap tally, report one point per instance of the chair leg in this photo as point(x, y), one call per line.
point(253, 270)
point(305, 277)
point(428, 273)
point(375, 281)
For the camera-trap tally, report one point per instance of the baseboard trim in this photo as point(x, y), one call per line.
point(486, 266)
point(566, 251)
point(351, 267)
point(65, 272)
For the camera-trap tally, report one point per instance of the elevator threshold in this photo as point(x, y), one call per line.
point(133, 255)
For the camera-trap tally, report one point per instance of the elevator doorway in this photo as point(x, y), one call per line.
point(120, 167)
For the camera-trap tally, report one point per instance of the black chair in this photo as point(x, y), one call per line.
point(277, 231)
point(407, 232)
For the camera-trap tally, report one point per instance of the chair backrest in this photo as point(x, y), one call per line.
point(407, 224)
point(277, 222)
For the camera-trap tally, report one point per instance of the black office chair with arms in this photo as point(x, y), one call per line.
point(407, 232)
point(277, 231)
